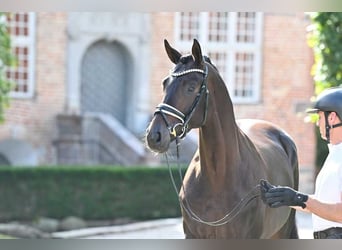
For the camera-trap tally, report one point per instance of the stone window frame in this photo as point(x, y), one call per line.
point(22, 28)
point(233, 41)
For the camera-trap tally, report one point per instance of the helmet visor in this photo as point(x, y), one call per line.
point(312, 111)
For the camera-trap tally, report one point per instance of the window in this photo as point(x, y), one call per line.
point(22, 30)
point(233, 42)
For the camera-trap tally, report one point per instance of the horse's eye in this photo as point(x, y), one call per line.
point(191, 89)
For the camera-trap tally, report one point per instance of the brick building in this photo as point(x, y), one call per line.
point(92, 80)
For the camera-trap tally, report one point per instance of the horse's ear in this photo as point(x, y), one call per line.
point(173, 54)
point(197, 52)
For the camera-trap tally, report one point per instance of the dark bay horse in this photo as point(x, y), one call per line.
point(231, 159)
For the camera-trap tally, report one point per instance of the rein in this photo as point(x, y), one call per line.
point(244, 202)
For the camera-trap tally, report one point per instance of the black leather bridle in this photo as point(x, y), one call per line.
point(165, 109)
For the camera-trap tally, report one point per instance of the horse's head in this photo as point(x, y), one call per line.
point(185, 101)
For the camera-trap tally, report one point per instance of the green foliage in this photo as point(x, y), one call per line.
point(326, 40)
point(91, 193)
point(325, 37)
point(7, 59)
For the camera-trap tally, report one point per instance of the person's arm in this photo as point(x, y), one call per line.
point(285, 196)
point(332, 212)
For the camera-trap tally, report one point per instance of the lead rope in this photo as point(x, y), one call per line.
point(224, 220)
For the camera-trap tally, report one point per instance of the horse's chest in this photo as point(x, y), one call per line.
point(207, 211)
point(231, 230)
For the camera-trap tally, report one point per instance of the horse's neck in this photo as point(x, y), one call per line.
point(219, 145)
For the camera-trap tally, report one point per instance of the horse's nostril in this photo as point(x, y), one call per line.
point(153, 138)
point(156, 137)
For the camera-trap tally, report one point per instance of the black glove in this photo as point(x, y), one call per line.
point(281, 196)
point(264, 187)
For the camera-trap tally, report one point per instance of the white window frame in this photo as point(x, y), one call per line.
point(231, 47)
point(29, 42)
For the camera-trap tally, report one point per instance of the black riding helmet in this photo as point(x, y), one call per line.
point(330, 100)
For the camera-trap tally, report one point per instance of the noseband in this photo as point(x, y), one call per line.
point(165, 109)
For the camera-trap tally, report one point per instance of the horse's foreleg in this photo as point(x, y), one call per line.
point(187, 232)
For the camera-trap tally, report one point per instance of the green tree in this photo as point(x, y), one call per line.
point(325, 37)
point(7, 59)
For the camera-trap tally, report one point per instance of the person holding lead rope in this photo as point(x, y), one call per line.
point(326, 203)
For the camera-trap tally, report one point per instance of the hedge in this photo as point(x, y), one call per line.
point(92, 193)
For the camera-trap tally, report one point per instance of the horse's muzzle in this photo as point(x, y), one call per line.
point(158, 136)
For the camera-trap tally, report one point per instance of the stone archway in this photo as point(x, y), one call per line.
point(105, 80)
point(124, 35)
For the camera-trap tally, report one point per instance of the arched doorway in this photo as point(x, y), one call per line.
point(105, 79)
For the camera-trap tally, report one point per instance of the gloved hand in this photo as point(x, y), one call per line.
point(281, 196)
point(264, 188)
